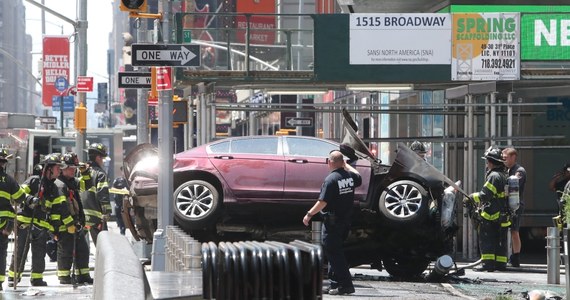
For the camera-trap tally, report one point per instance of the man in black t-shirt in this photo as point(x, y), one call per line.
point(336, 201)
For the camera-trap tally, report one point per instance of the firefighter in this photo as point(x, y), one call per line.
point(44, 197)
point(72, 246)
point(96, 202)
point(9, 191)
point(493, 217)
point(119, 183)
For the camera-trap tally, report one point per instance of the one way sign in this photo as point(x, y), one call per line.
point(305, 122)
point(134, 80)
point(174, 55)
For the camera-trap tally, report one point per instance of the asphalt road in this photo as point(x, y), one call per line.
point(369, 284)
point(512, 284)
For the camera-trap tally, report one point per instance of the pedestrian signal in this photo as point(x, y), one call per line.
point(133, 5)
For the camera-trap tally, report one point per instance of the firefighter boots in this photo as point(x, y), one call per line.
point(85, 278)
point(515, 260)
point(65, 280)
point(38, 282)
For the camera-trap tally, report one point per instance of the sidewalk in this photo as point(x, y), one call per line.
point(54, 290)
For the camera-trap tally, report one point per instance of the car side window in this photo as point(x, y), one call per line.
point(309, 147)
point(220, 148)
point(255, 146)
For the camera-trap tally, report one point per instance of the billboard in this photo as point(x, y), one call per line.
point(485, 46)
point(55, 63)
point(545, 37)
point(393, 39)
point(262, 28)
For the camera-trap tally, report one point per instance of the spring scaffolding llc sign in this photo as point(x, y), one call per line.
point(485, 46)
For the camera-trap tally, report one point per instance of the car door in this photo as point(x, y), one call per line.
point(253, 168)
point(306, 168)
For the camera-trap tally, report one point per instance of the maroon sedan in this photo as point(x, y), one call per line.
point(239, 178)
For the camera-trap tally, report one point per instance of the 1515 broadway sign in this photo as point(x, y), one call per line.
point(392, 39)
point(545, 36)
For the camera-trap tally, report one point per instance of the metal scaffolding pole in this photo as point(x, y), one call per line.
point(510, 118)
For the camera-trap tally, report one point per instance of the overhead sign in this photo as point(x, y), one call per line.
point(84, 84)
point(55, 63)
point(68, 103)
point(485, 46)
point(175, 55)
point(393, 39)
point(545, 37)
point(306, 122)
point(135, 80)
point(261, 21)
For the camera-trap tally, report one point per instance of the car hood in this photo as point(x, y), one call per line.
point(351, 138)
point(142, 160)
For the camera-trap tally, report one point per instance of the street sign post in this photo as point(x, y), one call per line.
point(135, 80)
point(175, 55)
point(303, 122)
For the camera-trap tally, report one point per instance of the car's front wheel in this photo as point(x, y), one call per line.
point(197, 204)
point(403, 202)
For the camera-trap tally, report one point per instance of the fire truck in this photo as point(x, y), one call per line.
point(28, 144)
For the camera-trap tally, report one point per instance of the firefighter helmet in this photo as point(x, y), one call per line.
point(70, 159)
point(119, 183)
point(4, 155)
point(53, 159)
point(97, 149)
point(495, 154)
point(418, 147)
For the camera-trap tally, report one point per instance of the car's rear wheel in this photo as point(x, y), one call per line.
point(403, 202)
point(197, 204)
point(405, 267)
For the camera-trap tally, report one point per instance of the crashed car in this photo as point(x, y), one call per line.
point(259, 187)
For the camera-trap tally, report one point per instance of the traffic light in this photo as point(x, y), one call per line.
point(133, 5)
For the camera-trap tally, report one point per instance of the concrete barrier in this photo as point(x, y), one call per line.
point(118, 271)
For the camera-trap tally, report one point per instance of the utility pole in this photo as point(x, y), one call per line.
point(81, 68)
point(142, 94)
point(165, 151)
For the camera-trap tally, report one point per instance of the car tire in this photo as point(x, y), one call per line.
point(405, 268)
point(197, 204)
point(404, 202)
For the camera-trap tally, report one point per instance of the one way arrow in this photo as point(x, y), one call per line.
point(166, 55)
point(183, 55)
